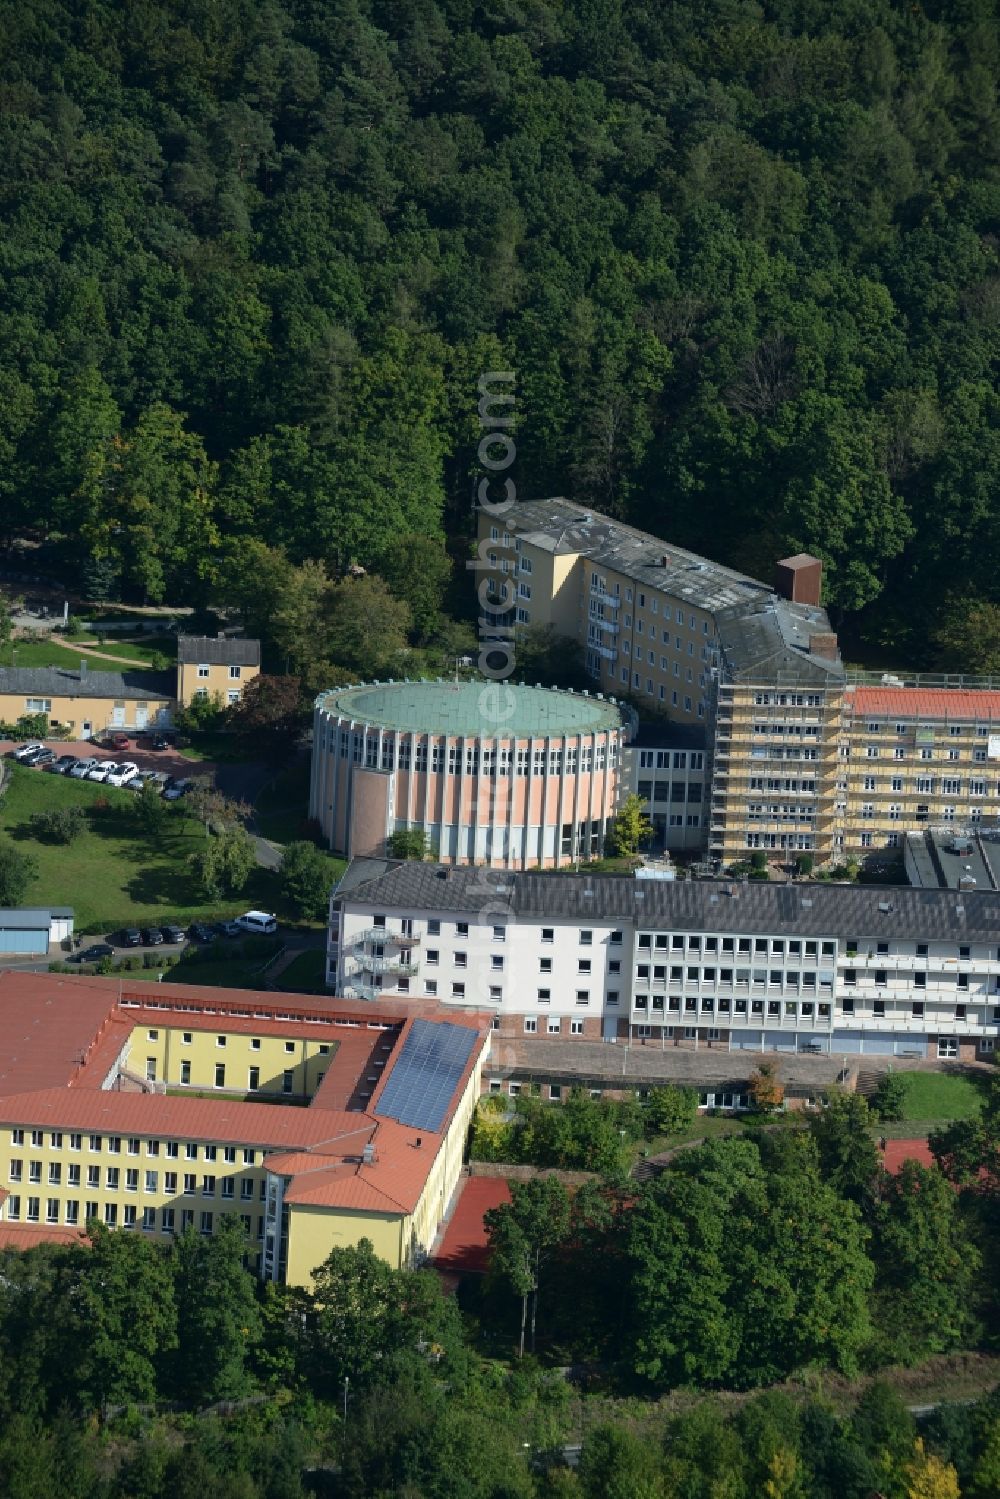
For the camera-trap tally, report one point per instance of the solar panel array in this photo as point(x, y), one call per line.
point(425, 1075)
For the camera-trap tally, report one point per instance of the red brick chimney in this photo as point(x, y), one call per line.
point(799, 578)
point(823, 643)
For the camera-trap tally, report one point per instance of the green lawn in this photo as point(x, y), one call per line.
point(48, 653)
point(305, 973)
point(940, 1095)
point(113, 875)
point(145, 648)
point(58, 651)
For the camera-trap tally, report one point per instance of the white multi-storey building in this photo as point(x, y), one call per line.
point(749, 966)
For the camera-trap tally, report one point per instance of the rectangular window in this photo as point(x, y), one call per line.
point(253, 1080)
point(220, 1074)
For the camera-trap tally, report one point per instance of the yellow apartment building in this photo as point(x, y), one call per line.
point(643, 612)
point(88, 703)
point(915, 755)
point(85, 702)
point(137, 1108)
point(215, 666)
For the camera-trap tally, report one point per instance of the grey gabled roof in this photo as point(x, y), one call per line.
point(861, 912)
point(58, 681)
point(768, 640)
point(213, 650)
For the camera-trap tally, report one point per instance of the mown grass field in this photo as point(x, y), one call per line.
point(113, 874)
point(935, 1096)
point(58, 651)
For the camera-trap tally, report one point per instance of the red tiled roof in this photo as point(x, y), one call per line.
point(465, 1247)
point(30, 1235)
point(67, 1033)
point(220, 1119)
point(925, 702)
point(898, 1151)
point(50, 1027)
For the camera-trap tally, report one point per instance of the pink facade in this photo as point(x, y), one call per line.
point(515, 802)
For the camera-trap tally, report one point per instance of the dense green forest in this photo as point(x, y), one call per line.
point(788, 1271)
point(741, 256)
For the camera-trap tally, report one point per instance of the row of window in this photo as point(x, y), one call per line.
point(553, 1026)
point(725, 1005)
point(671, 760)
point(223, 1040)
point(474, 762)
point(61, 1139)
point(113, 1180)
point(900, 752)
point(235, 672)
point(954, 730)
point(775, 978)
point(153, 1220)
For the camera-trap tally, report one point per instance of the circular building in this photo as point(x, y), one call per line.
point(493, 773)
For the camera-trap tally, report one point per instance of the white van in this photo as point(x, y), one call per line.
point(257, 921)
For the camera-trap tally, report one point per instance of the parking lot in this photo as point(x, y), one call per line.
point(140, 750)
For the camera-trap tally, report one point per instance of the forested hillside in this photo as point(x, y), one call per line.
point(742, 257)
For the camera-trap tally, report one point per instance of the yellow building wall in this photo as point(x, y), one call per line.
point(140, 1154)
point(314, 1231)
point(74, 712)
point(168, 1048)
point(218, 681)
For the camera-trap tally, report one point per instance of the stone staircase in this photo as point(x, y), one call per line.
point(868, 1079)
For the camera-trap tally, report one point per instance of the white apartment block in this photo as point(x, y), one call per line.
point(841, 970)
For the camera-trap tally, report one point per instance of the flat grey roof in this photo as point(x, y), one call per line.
point(755, 906)
point(488, 709)
point(59, 681)
point(938, 865)
point(211, 650)
point(27, 918)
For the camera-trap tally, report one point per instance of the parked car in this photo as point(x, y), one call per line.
point(131, 938)
point(122, 773)
point(152, 936)
point(24, 750)
point(159, 743)
point(82, 768)
point(64, 764)
point(159, 778)
point(256, 921)
point(96, 953)
point(102, 769)
point(200, 932)
point(230, 929)
point(173, 933)
point(176, 790)
point(116, 741)
point(41, 758)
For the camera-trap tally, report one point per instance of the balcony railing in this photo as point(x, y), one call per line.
point(612, 599)
point(388, 963)
point(374, 934)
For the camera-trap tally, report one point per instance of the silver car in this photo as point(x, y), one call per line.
point(82, 768)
